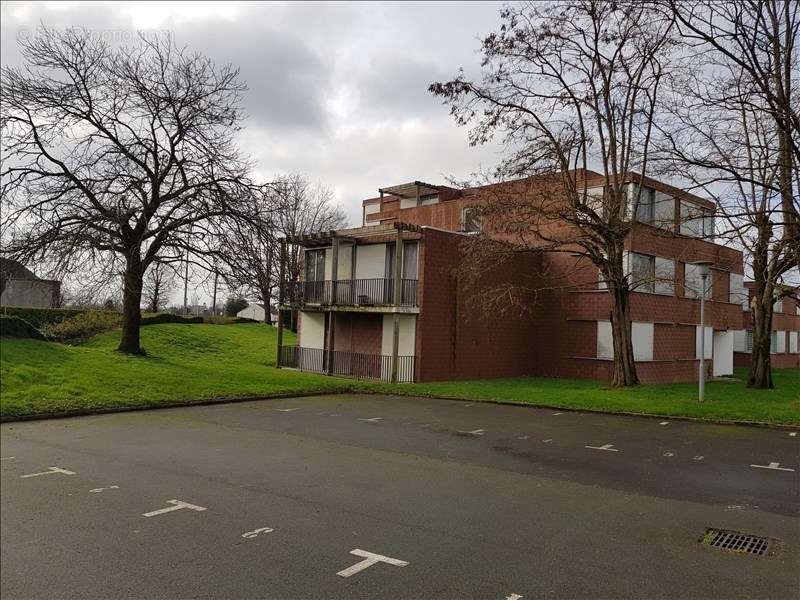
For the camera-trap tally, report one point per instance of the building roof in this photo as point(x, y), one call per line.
point(325, 238)
point(13, 269)
point(410, 190)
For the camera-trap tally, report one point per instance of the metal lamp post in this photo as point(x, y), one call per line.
point(702, 375)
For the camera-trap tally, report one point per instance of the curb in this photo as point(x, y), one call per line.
point(142, 407)
point(761, 424)
point(340, 391)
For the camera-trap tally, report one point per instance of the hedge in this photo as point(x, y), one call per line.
point(14, 326)
point(39, 317)
point(169, 318)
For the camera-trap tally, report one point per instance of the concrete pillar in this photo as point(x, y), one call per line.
point(398, 296)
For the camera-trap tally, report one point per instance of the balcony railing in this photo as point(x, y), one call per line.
point(350, 292)
point(347, 364)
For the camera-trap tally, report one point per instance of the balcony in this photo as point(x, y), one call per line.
point(347, 364)
point(350, 292)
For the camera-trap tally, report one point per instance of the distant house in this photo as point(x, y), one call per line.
point(254, 311)
point(20, 287)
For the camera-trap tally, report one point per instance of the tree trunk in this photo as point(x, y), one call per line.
point(624, 364)
point(760, 375)
point(131, 305)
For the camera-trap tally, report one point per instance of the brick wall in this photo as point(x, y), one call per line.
point(456, 337)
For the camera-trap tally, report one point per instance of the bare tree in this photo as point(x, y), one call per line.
point(737, 136)
point(303, 207)
point(117, 156)
point(248, 255)
point(158, 285)
point(570, 85)
point(249, 252)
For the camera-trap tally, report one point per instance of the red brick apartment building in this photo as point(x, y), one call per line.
point(384, 301)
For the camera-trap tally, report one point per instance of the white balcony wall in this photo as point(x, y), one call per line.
point(312, 330)
point(723, 353)
point(371, 261)
point(407, 338)
point(708, 342)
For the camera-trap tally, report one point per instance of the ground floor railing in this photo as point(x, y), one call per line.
point(347, 364)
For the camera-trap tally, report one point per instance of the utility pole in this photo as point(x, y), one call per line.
point(214, 300)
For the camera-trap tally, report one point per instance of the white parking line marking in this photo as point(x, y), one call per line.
point(664, 423)
point(547, 441)
point(473, 432)
point(668, 453)
point(49, 472)
point(774, 466)
point(699, 457)
point(791, 434)
point(606, 447)
point(369, 560)
point(287, 409)
point(471, 404)
point(178, 504)
point(523, 437)
point(513, 597)
point(372, 420)
point(556, 414)
point(256, 532)
point(334, 415)
point(102, 489)
point(6, 458)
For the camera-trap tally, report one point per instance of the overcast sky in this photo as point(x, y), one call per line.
point(337, 91)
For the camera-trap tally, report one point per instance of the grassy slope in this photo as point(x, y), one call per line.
point(184, 362)
point(725, 400)
point(197, 362)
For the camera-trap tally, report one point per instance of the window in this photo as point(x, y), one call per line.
point(664, 211)
point(709, 340)
point(426, 199)
point(410, 251)
point(740, 341)
point(605, 342)
point(778, 342)
point(315, 265)
point(642, 199)
point(642, 272)
point(642, 336)
point(693, 281)
point(794, 342)
point(696, 222)
point(748, 346)
point(738, 293)
point(777, 307)
point(665, 276)
point(471, 220)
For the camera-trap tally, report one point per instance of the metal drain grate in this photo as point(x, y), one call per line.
point(736, 542)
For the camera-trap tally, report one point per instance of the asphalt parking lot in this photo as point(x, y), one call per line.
point(393, 497)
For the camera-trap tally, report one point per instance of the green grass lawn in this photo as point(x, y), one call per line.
point(201, 362)
point(727, 400)
point(183, 362)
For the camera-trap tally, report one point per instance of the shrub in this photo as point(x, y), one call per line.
point(14, 326)
point(169, 318)
point(83, 325)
